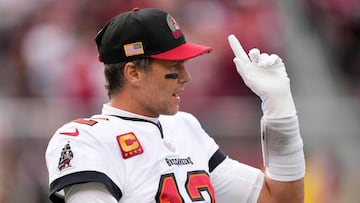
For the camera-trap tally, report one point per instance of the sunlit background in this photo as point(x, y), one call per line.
point(49, 75)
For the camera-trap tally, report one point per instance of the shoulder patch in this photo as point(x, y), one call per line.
point(129, 145)
point(65, 157)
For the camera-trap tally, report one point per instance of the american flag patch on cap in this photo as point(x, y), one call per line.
point(133, 49)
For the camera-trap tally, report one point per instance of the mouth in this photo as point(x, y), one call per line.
point(177, 94)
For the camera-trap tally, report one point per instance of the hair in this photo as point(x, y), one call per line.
point(114, 74)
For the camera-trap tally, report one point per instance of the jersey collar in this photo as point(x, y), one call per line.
point(109, 110)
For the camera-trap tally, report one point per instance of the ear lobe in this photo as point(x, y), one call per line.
point(131, 73)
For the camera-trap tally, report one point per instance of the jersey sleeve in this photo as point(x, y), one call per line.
point(77, 154)
point(236, 182)
point(93, 192)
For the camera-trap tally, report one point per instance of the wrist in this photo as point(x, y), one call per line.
point(282, 147)
point(278, 107)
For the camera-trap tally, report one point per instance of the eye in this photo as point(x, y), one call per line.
point(176, 65)
point(172, 67)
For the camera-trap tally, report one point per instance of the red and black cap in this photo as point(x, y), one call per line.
point(142, 33)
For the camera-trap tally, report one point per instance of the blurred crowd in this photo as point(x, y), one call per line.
point(49, 68)
point(48, 49)
point(338, 24)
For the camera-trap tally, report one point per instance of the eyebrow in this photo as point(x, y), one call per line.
point(174, 63)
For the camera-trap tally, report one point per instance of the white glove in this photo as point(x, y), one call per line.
point(266, 76)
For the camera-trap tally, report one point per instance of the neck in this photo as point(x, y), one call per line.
point(129, 105)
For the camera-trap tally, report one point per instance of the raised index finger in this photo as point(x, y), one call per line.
point(237, 49)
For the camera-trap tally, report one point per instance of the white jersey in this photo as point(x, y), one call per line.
point(138, 159)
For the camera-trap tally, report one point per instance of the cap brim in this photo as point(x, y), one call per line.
point(183, 52)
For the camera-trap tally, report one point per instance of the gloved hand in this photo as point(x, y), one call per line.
point(266, 76)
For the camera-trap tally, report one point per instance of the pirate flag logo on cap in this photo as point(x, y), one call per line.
point(174, 27)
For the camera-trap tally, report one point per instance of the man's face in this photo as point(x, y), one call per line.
point(161, 95)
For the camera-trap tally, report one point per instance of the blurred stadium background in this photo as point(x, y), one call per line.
point(49, 75)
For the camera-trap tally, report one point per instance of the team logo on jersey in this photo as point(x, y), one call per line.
point(129, 145)
point(65, 157)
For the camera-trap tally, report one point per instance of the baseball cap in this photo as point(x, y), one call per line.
point(142, 33)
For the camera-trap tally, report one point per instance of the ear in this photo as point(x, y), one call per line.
point(132, 74)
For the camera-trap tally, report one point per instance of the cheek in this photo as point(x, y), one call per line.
point(157, 90)
point(157, 87)
point(153, 94)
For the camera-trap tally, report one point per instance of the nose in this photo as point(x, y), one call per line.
point(185, 75)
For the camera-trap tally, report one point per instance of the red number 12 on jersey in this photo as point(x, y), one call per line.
point(197, 182)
